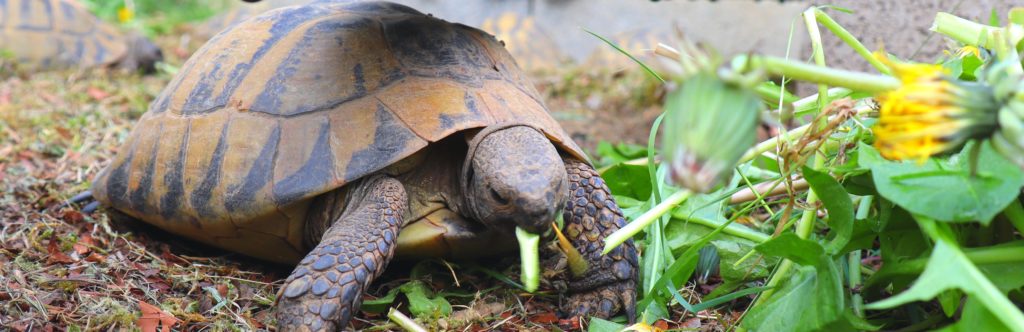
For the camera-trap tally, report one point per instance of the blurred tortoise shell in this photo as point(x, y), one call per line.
point(300, 101)
point(47, 34)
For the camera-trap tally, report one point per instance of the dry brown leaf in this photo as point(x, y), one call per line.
point(56, 256)
point(153, 317)
point(544, 318)
point(97, 93)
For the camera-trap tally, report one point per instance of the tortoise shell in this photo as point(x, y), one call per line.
point(61, 32)
point(299, 101)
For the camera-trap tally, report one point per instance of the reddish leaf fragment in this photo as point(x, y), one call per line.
point(81, 249)
point(222, 289)
point(661, 324)
point(72, 216)
point(96, 258)
point(571, 324)
point(96, 93)
point(544, 318)
point(153, 317)
point(56, 256)
point(172, 258)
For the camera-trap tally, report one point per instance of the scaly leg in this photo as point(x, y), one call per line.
point(590, 215)
point(326, 288)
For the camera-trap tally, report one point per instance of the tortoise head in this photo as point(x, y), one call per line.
point(513, 176)
point(142, 54)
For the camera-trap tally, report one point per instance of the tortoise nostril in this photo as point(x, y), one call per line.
point(496, 196)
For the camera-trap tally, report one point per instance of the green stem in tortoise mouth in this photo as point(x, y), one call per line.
point(529, 253)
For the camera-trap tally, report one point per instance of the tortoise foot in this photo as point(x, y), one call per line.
point(326, 288)
point(609, 284)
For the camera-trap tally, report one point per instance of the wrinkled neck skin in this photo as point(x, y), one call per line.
point(512, 176)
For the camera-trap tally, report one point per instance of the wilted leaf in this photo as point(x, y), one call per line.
point(153, 317)
point(97, 93)
point(56, 255)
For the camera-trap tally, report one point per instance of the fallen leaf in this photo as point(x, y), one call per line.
point(153, 317)
point(544, 318)
point(72, 216)
point(96, 258)
point(80, 249)
point(222, 289)
point(96, 93)
point(56, 256)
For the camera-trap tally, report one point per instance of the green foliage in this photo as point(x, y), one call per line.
point(422, 301)
point(944, 188)
point(946, 230)
point(154, 17)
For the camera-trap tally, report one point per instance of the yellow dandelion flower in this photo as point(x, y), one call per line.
point(642, 327)
point(930, 113)
point(125, 14)
point(968, 50)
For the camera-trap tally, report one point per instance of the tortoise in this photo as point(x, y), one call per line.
point(63, 34)
point(341, 136)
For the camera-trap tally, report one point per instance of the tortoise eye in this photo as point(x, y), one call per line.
point(497, 197)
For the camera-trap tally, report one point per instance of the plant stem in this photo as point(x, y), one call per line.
point(656, 255)
point(853, 261)
point(404, 321)
point(644, 220)
point(1002, 40)
point(850, 40)
point(805, 225)
point(964, 31)
point(871, 83)
point(739, 231)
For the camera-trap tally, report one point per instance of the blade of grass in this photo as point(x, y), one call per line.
point(626, 53)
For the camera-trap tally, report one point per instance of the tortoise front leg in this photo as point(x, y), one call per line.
point(326, 288)
point(590, 215)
